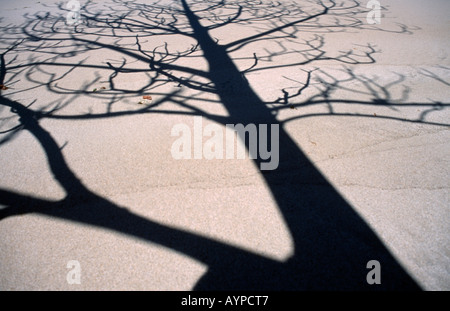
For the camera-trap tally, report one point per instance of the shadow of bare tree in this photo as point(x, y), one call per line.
point(332, 243)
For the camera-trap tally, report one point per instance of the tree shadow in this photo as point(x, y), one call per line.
point(332, 243)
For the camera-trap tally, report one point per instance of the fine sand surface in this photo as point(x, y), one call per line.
point(374, 123)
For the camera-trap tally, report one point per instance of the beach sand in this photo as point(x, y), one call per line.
point(374, 123)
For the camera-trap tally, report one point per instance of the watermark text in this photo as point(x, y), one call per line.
point(189, 143)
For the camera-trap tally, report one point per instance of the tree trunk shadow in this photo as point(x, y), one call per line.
point(332, 243)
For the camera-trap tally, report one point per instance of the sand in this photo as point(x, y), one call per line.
point(380, 138)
